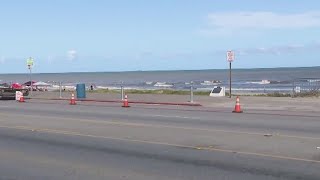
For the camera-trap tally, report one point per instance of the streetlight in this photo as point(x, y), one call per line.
point(30, 65)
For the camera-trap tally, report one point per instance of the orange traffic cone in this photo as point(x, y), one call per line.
point(72, 100)
point(21, 99)
point(237, 108)
point(125, 102)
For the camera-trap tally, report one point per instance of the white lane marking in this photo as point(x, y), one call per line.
point(4, 106)
point(164, 116)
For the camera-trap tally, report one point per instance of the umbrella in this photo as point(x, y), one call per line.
point(16, 86)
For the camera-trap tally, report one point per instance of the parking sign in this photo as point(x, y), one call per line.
point(230, 56)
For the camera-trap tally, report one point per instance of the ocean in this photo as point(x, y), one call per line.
point(253, 80)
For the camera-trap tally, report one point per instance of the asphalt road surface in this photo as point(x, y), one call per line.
point(54, 140)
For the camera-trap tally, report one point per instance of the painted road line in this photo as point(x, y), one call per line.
point(4, 106)
point(164, 116)
point(116, 122)
point(70, 133)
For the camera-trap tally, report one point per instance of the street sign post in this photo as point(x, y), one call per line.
point(30, 65)
point(230, 59)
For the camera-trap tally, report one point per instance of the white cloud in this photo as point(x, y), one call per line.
point(2, 60)
point(72, 54)
point(263, 20)
point(50, 59)
point(279, 50)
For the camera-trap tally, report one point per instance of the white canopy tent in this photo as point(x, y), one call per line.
point(42, 86)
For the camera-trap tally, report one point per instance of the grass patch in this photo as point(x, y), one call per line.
point(278, 94)
point(201, 93)
point(275, 94)
point(111, 91)
point(308, 94)
point(157, 91)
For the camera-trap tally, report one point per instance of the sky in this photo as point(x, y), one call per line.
point(127, 35)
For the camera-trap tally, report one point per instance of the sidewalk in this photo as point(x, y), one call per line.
point(247, 102)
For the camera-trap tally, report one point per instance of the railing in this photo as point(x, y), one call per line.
point(306, 86)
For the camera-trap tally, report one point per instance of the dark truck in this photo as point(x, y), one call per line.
point(10, 93)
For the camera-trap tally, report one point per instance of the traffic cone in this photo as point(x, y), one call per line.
point(72, 100)
point(237, 108)
point(125, 102)
point(21, 99)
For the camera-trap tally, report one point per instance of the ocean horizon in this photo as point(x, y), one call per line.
point(163, 70)
point(282, 79)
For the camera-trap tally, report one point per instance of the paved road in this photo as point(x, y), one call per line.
point(53, 140)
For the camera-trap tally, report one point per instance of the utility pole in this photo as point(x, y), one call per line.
point(230, 80)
